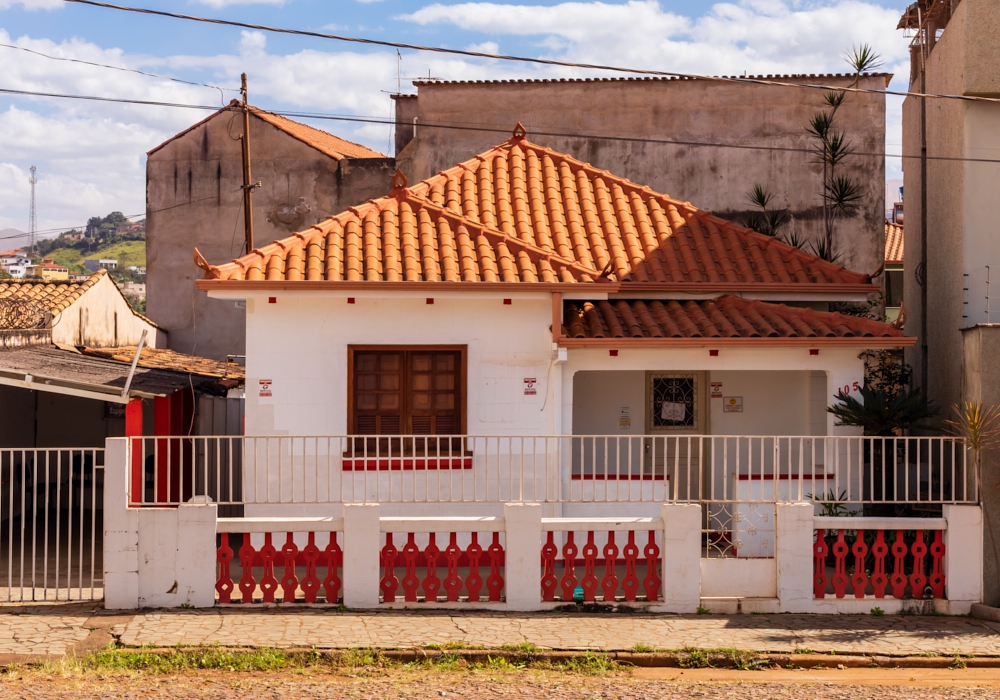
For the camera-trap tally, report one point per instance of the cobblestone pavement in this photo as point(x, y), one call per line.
point(472, 688)
point(43, 630)
point(888, 635)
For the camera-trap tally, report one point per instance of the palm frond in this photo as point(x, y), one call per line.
point(824, 251)
point(794, 240)
point(834, 99)
point(820, 125)
point(878, 413)
point(760, 196)
point(978, 424)
point(843, 193)
point(863, 59)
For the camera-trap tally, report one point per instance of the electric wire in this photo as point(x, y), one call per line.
point(525, 59)
point(498, 130)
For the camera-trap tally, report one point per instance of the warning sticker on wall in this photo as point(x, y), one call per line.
point(530, 386)
point(625, 418)
point(716, 390)
point(265, 388)
point(732, 404)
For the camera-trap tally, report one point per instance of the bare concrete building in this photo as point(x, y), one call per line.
point(697, 140)
point(952, 247)
point(194, 197)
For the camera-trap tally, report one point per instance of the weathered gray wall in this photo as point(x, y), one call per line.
point(701, 111)
point(194, 199)
point(981, 384)
point(960, 197)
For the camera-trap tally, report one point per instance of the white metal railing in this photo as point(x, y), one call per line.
point(840, 471)
point(50, 524)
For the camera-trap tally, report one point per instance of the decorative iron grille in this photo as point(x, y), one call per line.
point(19, 314)
point(674, 401)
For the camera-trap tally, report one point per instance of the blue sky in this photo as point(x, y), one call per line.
point(91, 156)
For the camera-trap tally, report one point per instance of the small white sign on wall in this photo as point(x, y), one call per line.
point(716, 390)
point(625, 418)
point(732, 404)
point(265, 388)
point(530, 386)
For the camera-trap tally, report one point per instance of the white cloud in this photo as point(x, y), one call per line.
point(32, 4)
point(227, 3)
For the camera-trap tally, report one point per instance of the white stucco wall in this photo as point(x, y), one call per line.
point(103, 318)
point(300, 343)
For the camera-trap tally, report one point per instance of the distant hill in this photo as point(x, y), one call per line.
point(11, 238)
point(125, 252)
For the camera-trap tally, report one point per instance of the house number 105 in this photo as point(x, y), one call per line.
point(847, 388)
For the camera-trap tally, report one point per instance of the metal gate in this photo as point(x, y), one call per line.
point(51, 525)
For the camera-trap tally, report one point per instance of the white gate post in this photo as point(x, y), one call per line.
point(523, 555)
point(121, 531)
point(361, 555)
point(681, 569)
point(793, 535)
point(963, 557)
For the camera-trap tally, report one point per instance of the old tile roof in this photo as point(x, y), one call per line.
point(893, 243)
point(324, 142)
point(521, 212)
point(727, 318)
point(50, 296)
point(155, 358)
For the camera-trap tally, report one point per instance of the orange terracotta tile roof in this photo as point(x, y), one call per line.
point(324, 142)
point(155, 358)
point(50, 296)
point(524, 213)
point(893, 243)
point(728, 317)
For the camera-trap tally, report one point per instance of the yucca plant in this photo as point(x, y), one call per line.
point(764, 219)
point(840, 193)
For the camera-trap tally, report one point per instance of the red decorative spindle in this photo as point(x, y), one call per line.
point(860, 578)
point(589, 582)
point(268, 583)
point(224, 584)
point(453, 582)
point(432, 584)
point(879, 578)
point(918, 579)
point(334, 556)
point(568, 581)
point(609, 584)
point(820, 550)
point(494, 582)
point(937, 561)
point(389, 582)
point(248, 586)
point(310, 582)
point(549, 580)
point(898, 578)
point(474, 582)
point(410, 580)
point(840, 550)
point(631, 582)
point(652, 581)
point(289, 581)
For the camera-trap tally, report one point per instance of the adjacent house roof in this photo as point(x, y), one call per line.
point(727, 320)
point(45, 295)
point(893, 243)
point(800, 77)
point(324, 142)
point(523, 213)
point(155, 358)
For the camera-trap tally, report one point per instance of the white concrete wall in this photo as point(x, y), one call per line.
point(300, 344)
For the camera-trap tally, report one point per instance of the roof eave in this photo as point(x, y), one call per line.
point(801, 342)
point(208, 285)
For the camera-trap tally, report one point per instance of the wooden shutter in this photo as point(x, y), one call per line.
point(409, 391)
point(378, 393)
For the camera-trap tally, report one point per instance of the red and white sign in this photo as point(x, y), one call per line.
point(265, 388)
point(530, 386)
point(716, 390)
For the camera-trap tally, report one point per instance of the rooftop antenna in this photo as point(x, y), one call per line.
point(399, 72)
point(32, 222)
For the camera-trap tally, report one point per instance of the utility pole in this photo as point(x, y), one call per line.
point(32, 222)
point(247, 178)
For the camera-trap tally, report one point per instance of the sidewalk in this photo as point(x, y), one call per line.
point(55, 629)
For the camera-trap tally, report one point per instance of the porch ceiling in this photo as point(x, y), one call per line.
point(727, 320)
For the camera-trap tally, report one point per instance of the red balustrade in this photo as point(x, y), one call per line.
point(610, 584)
point(290, 558)
point(430, 558)
point(909, 565)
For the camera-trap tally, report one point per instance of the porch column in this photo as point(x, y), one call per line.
point(681, 557)
point(794, 556)
point(121, 531)
point(523, 527)
point(963, 557)
point(362, 527)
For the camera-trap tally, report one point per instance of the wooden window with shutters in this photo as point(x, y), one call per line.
point(406, 390)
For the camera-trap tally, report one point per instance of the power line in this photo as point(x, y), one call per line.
point(498, 130)
point(104, 65)
point(522, 59)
